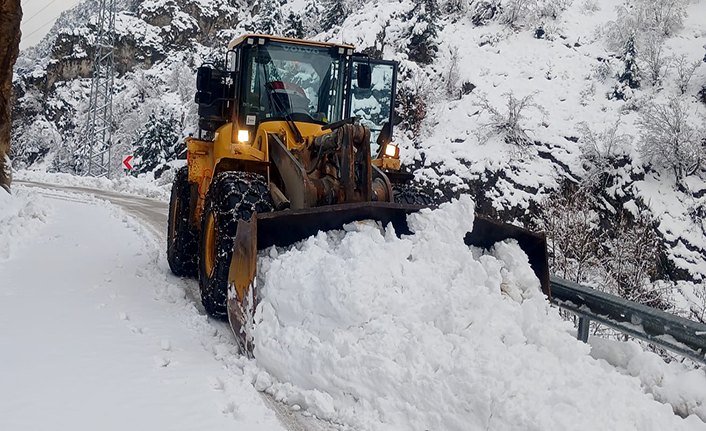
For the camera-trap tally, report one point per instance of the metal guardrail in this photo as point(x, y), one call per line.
point(668, 331)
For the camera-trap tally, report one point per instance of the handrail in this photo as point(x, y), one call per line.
point(666, 330)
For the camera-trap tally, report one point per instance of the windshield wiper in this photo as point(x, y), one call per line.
point(287, 115)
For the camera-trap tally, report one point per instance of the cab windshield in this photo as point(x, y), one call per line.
point(304, 83)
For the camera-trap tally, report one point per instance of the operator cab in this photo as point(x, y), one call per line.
point(280, 79)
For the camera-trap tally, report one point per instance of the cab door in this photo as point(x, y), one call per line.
point(371, 96)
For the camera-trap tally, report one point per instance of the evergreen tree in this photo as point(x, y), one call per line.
point(335, 14)
point(160, 143)
point(629, 79)
point(267, 17)
point(295, 26)
point(425, 28)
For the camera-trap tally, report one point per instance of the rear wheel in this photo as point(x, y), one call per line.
point(182, 240)
point(411, 194)
point(232, 196)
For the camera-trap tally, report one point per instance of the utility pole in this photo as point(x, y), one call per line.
point(99, 131)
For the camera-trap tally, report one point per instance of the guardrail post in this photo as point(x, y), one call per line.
point(584, 323)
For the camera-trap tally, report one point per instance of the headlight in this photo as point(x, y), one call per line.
point(243, 136)
point(392, 151)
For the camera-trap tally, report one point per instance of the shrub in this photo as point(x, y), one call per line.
point(656, 64)
point(669, 140)
point(602, 152)
point(573, 233)
point(509, 123)
point(631, 261)
point(685, 71)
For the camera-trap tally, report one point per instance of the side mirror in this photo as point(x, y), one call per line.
point(364, 75)
point(231, 61)
point(203, 78)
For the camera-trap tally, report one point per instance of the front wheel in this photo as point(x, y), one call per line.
point(232, 196)
point(182, 240)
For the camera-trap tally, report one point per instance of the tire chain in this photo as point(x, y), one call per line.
point(184, 262)
point(411, 194)
point(233, 196)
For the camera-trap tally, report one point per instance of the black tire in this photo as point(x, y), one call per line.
point(182, 240)
point(232, 196)
point(411, 194)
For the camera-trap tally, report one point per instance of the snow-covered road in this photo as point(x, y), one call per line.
point(363, 329)
point(95, 334)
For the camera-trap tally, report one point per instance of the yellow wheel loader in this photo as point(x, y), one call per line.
point(295, 138)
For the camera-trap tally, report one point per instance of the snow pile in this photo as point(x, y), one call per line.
point(423, 333)
point(145, 185)
point(673, 383)
point(21, 215)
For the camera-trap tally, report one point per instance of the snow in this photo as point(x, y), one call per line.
point(358, 327)
point(673, 383)
point(142, 186)
point(95, 334)
point(21, 216)
point(419, 333)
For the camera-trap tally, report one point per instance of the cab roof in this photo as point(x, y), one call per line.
point(241, 39)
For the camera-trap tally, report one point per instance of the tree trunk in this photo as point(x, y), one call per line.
point(10, 18)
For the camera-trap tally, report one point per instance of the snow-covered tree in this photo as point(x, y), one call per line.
point(295, 26)
point(268, 17)
point(424, 20)
point(668, 139)
point(654, 62)
point(335, 13)
point(629, 78)
point(161, 142)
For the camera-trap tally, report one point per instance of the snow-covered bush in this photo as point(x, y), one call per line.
point(669, 140)
point(631, 261)
point(509, 123)
point(685, 70)
point(515, 13)
point(36, 141)
point(603, 151)
point(573, 234)
point(484, 11)
point(413, 94)
point(452, 75)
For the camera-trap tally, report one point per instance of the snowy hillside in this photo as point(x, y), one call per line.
point(555, 114)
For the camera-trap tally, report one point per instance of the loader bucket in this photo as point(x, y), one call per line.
point(284, 228)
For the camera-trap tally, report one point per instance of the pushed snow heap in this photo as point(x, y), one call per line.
point(422, 333)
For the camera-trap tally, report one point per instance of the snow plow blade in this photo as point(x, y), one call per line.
point(284, 228)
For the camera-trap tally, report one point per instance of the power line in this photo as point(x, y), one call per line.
point(40, 11)
point(25, 36)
